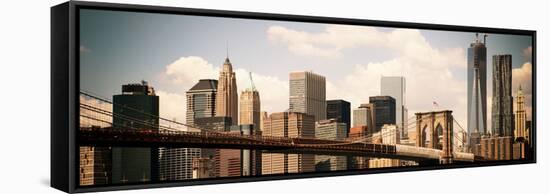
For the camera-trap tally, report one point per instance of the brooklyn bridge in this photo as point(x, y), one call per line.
point(434, 139)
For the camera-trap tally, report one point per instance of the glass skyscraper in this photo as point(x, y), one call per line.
point(384, 111)
point(477, 88)
point(339, 110)
point(138, 102)
point(395, 86)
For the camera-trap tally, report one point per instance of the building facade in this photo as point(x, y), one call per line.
point(308, 94)
point(365, 115)
point(263, 117)
point(288, 124)
point(341, 111)
point(250, 108)
point(384, 111)
point(95, 165)
point(358, 132)
point(395, 86)
point(201, 100)
point(203, 168)
point(521, 118)
point(496, 147)
point(502, 114)
point(330, 129)
point(138, 102)
point(226, 97)
point(220, 124)
point(177, 163)
point(390, 134)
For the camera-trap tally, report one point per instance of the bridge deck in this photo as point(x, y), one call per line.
point(156, 138)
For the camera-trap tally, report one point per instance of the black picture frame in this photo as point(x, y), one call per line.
point(65, 90)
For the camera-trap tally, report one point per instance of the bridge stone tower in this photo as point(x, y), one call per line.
point(430, 126)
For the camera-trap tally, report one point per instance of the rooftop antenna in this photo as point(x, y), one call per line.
point(226, 49)
point(251, 81)
point(477, 37)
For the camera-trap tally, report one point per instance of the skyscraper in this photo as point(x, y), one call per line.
point(520, 129)
point(396, 88)
point(330, 129)
point(201, 100)
point(339, 110)
point(384, 110)
point(263, 117)
point(288, 124)
point(226, 98)
point(177, 163)
point(477, 87)
point(502, 114)
point(250, 107)
point(365, 115)
point(308, 94)
point(137, 102)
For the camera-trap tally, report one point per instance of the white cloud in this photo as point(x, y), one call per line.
point(172, 105)
point(273, 90)
point(428, 70)
point(187, 71)
point(183, 74)
point(190, 69)
point(336, 38)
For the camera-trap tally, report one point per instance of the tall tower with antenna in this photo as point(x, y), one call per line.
point(477, 88)
point(226, 98)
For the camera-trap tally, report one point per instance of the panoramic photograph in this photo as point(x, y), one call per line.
point(175, 98)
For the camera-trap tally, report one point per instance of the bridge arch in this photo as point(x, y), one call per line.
point(435, 130)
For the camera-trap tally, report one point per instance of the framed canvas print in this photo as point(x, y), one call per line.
point(148, 96)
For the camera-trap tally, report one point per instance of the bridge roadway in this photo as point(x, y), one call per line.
point(206, 139)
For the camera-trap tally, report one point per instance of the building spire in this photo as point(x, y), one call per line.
point(227, 49)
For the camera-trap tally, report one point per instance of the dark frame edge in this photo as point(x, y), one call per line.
point(534, 100)
point(293, 17)
point(62, 100)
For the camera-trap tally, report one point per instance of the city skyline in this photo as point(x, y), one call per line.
point(290, 46)
point(197, 112)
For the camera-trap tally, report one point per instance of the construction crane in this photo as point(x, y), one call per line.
point(251, 82)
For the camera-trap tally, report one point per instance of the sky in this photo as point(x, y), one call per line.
point(172, 52)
